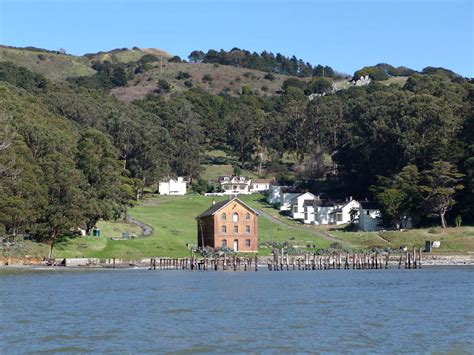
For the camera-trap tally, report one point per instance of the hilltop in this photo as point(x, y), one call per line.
point(146, 77)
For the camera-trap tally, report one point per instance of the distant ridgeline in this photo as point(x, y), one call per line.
point(74, 148)
point(265, 61)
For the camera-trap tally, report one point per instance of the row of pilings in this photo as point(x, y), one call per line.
point(283, 261)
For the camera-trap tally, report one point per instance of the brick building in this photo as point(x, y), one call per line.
point(230, 224)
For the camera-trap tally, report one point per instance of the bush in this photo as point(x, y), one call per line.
point(164, 85)
point(269, 76)
point(188, 83)
point(175, 59)
point(183, 75)
point(433, 231)
point(319, 86)
point(41, 57)
point(148, 58)
point(143, 68)
point(207, 77)
point(293, 82)
point(246, 90)
point(264, 88)
point(238, 79)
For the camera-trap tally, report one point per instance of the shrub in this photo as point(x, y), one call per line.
point(188, 83)
point(246, 90)
point(264, 88)
point(238, 79)
point(148, 58)
point(41, 57)
point(164, 85)
point(143, 68)
point(207, 77)
point(269, 76)
point(175, 59)
point(183, 75)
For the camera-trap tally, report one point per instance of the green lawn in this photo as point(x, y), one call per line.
point(173, 221)
point(453, 240)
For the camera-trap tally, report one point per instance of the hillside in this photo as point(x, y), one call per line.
point(54, 66)
point(212, 78)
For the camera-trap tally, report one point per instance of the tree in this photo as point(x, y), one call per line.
point(439, 186)
point(119, 77)
point(196, 56)
point(319, 86)
point(98, 161)
point(399, 196)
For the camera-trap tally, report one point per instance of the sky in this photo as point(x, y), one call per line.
point(345, 34)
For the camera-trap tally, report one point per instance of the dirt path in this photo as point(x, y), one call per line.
point(146, 229)
point(313, 232)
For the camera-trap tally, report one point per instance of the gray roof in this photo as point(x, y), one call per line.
point(218, 205)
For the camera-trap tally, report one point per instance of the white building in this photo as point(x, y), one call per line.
point(322, 212)
point(369, 217)
point(172, 187)
point(281, 196)
point(299, 202)
point(235, 185)
point(260, 185)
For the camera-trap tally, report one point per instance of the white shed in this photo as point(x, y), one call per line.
point(172, 187)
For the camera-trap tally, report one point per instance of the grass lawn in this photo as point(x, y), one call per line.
point(173, 221)
point(453, 240)
point(172, 218)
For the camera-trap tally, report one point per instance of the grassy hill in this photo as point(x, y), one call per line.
point(126, 55)
point(53, 66)
point(58, 67)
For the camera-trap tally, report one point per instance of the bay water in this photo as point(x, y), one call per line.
point(139, 311)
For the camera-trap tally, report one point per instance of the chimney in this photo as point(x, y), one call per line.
point(350, 198)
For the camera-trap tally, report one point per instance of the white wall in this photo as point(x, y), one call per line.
point(323, 215)
point(297, 207)
point(172, 187)
point(346, 209)
point(260, 186)
point(285, 201)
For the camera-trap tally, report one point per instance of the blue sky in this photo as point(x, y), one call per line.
point(346, 35)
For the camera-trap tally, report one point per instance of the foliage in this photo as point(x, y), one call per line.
point(265, 61)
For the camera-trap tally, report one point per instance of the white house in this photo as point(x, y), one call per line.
point(235, 185)
point(322, 212)
point(281, 196)
point(369, 217)
point(260, 185)
point(299, 202)
point(172, 187)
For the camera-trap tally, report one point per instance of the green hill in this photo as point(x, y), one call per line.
point(54, 66)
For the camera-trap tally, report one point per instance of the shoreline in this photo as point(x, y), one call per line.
point(144, 263)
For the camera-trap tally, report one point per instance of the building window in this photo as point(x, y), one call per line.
point(235, 217)
point(339, 217)
point(247, 242)
point(247, 216)
point(224, 229)
point(295, 209)
point(368, 213)
point(236, 229)
point(247, 229)
point(224, 243)
point(223, 216)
